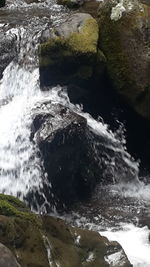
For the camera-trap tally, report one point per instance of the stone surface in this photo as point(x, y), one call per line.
point(74, 155)
point(7, 259)
point(64, 140)
point(71, 54)
point(125, 40)
point(42, 241)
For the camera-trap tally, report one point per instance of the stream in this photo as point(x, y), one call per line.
point(119, 211)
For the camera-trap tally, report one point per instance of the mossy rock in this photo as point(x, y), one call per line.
point(124, 39)
point(48, 241)
point(11, 206)
point(72, 53)
point(20, 231)
point(2, 3)
point(75, 247)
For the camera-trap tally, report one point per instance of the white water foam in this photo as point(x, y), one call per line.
point(135, 242)
point(139, 191)
point(20, 168)
point(17, 171)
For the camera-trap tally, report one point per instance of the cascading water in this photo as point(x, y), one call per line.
point(21, 169)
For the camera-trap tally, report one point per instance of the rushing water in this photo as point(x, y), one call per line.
point(116, 211)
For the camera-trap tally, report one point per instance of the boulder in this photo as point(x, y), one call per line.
point(2, 3)
point(71, 54)
point(146, 2)
point(65, 143)
point(48, 241)
point(8, 50)
point(7, 259)
point(124, 39)
point(75, 157)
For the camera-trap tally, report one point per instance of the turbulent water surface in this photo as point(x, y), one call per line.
point(119, 211)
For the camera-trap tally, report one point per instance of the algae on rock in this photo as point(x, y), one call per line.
point(125, 42)
point(49, 241)
point(71, 54)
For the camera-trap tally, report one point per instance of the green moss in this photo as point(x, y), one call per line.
point(11, 206)
point(13, 200)
point(72, 59)
point(112, 44)
point(85, 42)
point(7, 209)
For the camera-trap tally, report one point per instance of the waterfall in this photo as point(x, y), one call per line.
point(21, 168)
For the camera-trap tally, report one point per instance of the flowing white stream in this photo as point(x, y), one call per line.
point(21, 169)
point(135, 242)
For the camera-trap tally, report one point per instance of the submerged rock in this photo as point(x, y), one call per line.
point(71, 54)
point(125, 40)
point(47, 241)
point(8, 50)
point(75, 156)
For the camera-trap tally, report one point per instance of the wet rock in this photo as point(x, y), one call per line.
point(71, 54)
point(64, 140)
point(20, 231)
point(83, 247)
point(125, 39)
point(75, 157)
point(44, 240)
point(8, 50)
point(7, 259)
point(2, 3)
point(71, 3)
point(146, 2)
point(33, 1)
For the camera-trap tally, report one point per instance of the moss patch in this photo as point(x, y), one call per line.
point(125, 47)
point(76, 44)
point(71, 59)
point(29, 240)
point(11, 206)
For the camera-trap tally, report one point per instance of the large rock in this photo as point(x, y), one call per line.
point(2, 3)
point(67, 150)
point(47, 241)
point(7, 259)
point(8, 50)
point(71, 54)
point(125, 39)
point(75, 156)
